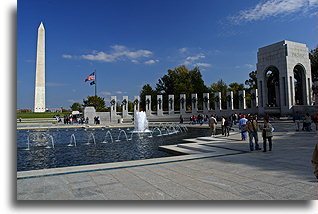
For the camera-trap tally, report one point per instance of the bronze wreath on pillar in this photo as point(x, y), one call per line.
point(182, 102)
point(217, 99)
point(159, 102)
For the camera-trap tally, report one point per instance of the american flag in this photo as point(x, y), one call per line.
point(90, 77)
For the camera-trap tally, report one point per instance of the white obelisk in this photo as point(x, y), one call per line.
point(39, 98)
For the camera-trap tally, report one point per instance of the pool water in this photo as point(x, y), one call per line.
point(42, 149)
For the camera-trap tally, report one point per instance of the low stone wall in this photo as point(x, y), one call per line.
point(312, 110)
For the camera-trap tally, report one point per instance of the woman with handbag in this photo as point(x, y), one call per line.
point(267, 134)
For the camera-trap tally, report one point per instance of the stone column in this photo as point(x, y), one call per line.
point(229, 100)
point(90, 112)
point(159, 105)
point(136, 103)
point(217, 101)
point(113, 113)
point(124, 108)
point(254, 98)
point(206, 103)
point(171, 104)
point(148, 105)
point(183, 106)
point(242, 100)
point(194, 103)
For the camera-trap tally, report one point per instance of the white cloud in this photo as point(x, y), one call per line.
point(67, 56)
point(249, 66)
point(117, 53)
point(106, 93)
point(120, 92)
point(183, 50)
point(134, 61)
point(201, 64)
point(152, 61)
point(100, 56)
point(273, 8)
point(193, 58)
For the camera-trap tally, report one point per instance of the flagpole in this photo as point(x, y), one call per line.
point(95, 83)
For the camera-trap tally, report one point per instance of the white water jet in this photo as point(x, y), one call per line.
point(73, 139)
point(111, 137)
point(91, 135)
point(141, 122)
point(121, 131)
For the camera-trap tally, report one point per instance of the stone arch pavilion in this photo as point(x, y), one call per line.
point(284, 77)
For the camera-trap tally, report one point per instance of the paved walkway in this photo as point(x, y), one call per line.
point(228, 173)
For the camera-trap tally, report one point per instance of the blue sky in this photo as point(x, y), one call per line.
point(133, 42)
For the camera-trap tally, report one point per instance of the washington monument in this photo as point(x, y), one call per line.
point(39, 97)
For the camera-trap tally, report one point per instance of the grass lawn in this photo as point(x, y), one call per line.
point(39, 115)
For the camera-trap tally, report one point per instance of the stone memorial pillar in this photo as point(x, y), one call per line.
point(136, 104)
point(113, 113)
point(254, 98)
point(242, 100)
point(206, 103)
point(124, 108)
point(90, 112)
point(229, 100)
point(171, 104)
point(194, 102)
point(183, 106)
point(148, 105)
point(159, 105)
point(217, 101)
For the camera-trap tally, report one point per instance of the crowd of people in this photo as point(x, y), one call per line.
point(71, 119)
point(247, 124)
point(305, 120)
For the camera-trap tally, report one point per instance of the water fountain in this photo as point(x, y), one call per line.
point(40, 139)
point(121, 131)
point(73, 139)
point(111, 137)
point(141, 122)
point(91, 135)
point(110, 145)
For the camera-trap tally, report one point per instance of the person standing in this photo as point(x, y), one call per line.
point(212, 124)
point(267, 135)
point(296, 119)
point(242, 127)
point(314, 161)
point(252, 128)
point(315, 120)
point(181, 119)
point(227, 127)
point(307, 122)
point(222, 125)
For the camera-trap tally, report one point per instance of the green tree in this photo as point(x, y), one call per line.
point(182, 81)
point(252, 81)
point(96, 101)
point(313, 61)
point(219, 86)
point(77, 107)
point(147, 90)
point(235, 88)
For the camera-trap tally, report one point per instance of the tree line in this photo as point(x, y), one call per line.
point(181, 80)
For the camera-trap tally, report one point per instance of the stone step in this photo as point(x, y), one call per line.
point(174, 149)
point(196, 147)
